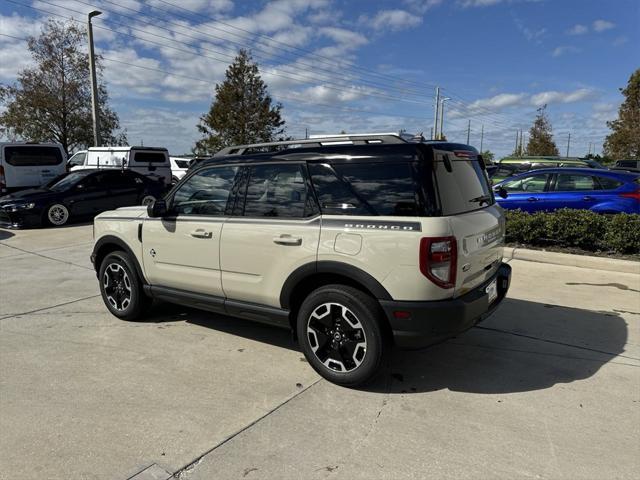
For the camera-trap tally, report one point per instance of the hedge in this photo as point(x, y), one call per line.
point(582, 229)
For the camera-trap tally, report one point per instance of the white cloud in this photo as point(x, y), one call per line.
point(602, 25)
point(578, 29)
point(621, 40)
point(552, 96)
point(498, 102)
point(563, 50)
point(478, 3)
point(393, 20)
point(421, 6)
point(347, 38)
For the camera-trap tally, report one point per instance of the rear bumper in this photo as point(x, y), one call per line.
point(432, 322)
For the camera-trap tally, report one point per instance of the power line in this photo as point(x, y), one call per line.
point(331, 85)
point(293, 99)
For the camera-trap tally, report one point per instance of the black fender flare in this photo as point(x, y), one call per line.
point(122, 245)
point(328, 267)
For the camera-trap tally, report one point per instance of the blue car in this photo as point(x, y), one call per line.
point(548, 189)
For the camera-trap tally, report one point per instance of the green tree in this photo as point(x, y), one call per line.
point(624, 140)
point(541, 136)
point(51, 101)
point(488, 156)
point(241, 111)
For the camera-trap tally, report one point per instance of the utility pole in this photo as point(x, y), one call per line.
point(94, 83)
point(468, 131)
point(515, 150)
point(444, 99)
point(306, 133)
point(481, 138)
point(568, 144)
point(435, 118)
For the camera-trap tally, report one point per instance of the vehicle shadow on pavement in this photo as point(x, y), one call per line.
point(4, 234)
point(524, 346)
point(162, 312)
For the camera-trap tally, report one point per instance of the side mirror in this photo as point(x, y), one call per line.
point(81, 186)
point(157, 209)
point(501, 191)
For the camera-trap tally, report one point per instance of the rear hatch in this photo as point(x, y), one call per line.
point(476, 221)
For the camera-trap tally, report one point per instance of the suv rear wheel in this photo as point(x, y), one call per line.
point(121, 288)
point(339, 329)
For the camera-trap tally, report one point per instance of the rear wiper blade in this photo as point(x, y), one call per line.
point(481, 199)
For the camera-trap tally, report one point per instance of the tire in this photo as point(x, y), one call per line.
point(121, 288)
point(147, 199)
point(56, 215)
point(340, 332)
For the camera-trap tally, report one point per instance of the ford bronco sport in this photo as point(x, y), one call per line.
point(355, 244)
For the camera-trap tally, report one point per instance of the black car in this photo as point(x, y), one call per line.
point(77, 195)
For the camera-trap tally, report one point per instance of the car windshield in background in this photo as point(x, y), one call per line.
point(32, 156)
point(66, 181)
point(463, 189)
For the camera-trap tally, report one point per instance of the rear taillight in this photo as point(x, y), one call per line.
point(635, 195)
point(439, 259)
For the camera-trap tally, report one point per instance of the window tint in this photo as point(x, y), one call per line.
point(463, 189)
point(205, 193)
point(365, 188)
point(32, 156)
point(570, 183)
point(153, 157)
point(533, 184)
point(607, 183)
point(277, 191)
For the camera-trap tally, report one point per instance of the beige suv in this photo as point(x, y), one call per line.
point(354, 243)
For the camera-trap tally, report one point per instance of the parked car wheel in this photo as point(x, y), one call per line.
point(57, 215)
point(147, 200)
point(121, 288)
point(339, 329)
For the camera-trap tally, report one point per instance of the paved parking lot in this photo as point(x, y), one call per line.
point(549, 387)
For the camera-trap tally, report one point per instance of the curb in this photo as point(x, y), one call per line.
point(582, 261)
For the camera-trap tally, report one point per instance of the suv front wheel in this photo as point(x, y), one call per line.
point(339, 329)
point(121, 288)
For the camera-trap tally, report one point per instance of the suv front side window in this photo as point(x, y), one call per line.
point(278, 190)
point(205, 193)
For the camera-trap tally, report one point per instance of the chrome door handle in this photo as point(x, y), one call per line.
point(587, 198)
point(201, 234)
point(532, 199)
point(288, 240)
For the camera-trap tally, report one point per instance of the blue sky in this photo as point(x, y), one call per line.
point(358, 65)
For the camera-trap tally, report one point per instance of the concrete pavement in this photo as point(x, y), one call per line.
point(549, 387)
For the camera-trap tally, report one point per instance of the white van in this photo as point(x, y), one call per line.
point(27, 165)
point(149, 161)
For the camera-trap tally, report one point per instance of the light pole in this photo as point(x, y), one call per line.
point(444, 99)
point(94, 82)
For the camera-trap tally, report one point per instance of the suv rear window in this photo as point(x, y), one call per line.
point(365, 188)
point(152, 157)
point(32, 156)
point(465, 188)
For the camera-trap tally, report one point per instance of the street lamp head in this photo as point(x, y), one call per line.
point(94, 13)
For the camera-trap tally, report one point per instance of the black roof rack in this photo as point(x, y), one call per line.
point(355, 139)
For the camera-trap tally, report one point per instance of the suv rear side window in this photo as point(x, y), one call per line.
point(32, 156)
point(278, 191)
point(365, 189)
point(607, 183)
point(205, 193)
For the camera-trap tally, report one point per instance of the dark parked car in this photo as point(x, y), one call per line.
point(602, 191)
point(77, 195)
point(629, 165)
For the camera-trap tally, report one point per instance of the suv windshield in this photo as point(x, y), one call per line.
point(465, 188)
